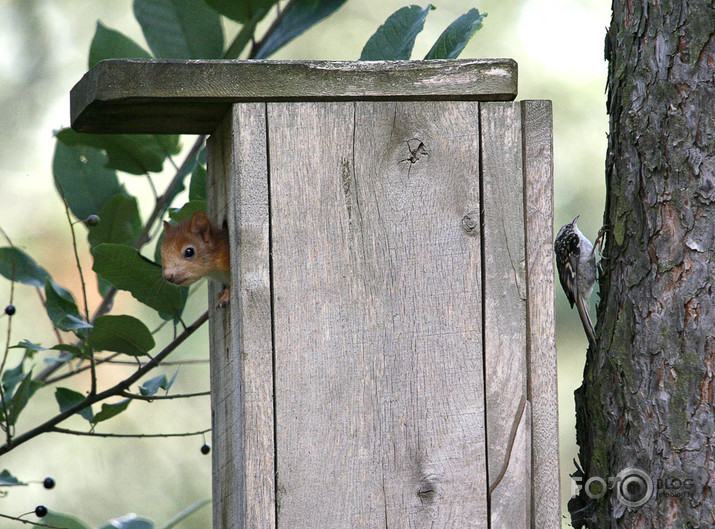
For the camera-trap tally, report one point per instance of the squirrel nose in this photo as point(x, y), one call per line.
point(168, 275)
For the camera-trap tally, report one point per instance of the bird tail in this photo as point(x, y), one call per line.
point(586, 321)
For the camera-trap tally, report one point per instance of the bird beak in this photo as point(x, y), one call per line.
point(574, 220)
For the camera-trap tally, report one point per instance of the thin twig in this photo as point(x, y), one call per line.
point(107, 360)
point(7, 426)
point(127, 435)
point(110, 361)
point(36, 524)
point(271, 29)
point(151, 185)
point(93, 371)
point(44, 304)
point(115, 390)
point(164, 364)
point(150, 398)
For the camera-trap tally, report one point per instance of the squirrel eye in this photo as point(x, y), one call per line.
point(189, 252)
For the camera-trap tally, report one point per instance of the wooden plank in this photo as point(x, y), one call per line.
point(241, 338)
point(541, 341)
point(165, 96)
point(504, 311)
point(377, 315)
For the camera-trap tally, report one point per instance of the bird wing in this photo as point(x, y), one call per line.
point(569, 254)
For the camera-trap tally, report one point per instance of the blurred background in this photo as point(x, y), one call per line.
point(44, 44)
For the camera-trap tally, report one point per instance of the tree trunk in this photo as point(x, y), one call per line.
point(647, 397)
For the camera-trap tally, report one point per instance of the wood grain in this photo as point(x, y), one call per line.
point(165, 96)
point(241, 337)
point(504, 310)
point(377, 315)
point(541, 341)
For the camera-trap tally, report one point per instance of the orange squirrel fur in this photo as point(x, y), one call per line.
point(194, 248)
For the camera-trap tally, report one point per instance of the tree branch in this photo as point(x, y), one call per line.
point(150, 398)
point(127, 435)
point(111, 392)
point(36, 524)
point(271, 29)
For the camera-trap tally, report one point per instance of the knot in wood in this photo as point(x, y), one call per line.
point(470, 222)
point(427, 493)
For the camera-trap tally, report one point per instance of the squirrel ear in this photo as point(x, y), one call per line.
point(166, 226)
point(200, 224)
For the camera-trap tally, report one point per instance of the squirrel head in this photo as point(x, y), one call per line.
point(193, 249)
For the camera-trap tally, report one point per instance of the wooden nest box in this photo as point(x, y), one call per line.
point(388, 358)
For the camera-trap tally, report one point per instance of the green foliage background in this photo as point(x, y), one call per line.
point(45, 46)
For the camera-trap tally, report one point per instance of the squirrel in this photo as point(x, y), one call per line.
point(192, 249)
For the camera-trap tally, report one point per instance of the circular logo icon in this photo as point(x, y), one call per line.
point(633, 487)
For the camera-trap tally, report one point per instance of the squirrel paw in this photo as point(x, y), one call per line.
point(223, 298)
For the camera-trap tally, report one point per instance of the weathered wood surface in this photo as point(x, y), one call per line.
point(541, 339)
point(241, 336)
point(505, 314)
point(165, 96)
point(377, 315)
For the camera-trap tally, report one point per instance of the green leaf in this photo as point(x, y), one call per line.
point(126, 269)
point(57, 360)
point(121, 334)
point(12, 377)
point(243, 11)
point(111, 410)
point(453, 39)
point(187, 210)
point(297, 17)
point(150, 387)
point(243, 37)
point(72, 349)
point(8, 480)
point(129, 521)
point(62, 309)
point(180, 29)
point(67, 398)
point(191, 509)
point(16, 265)
point(18, 401)
point(132, 153)
point(65, 521)
point(394, 40)
point(29, 346)
point(169, 143)
point(103, 286)
point(119, 222)
point(171, 381)
point(111, 44)
point(82, 178)
point(197, 188)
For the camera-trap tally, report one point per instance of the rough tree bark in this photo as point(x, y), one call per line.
point(647, 396)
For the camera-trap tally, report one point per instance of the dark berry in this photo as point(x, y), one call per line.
point(10, 310)
point(205, 449)
point(92, 220)
point(49, 483)
point(40, 511)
